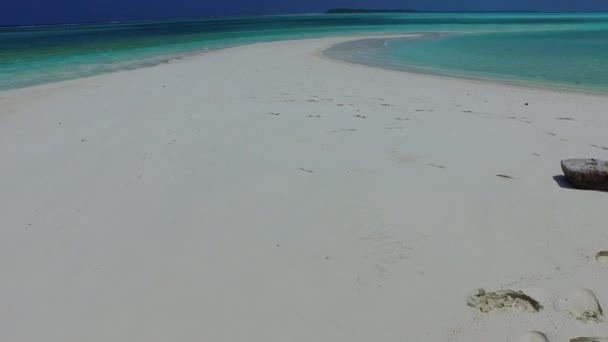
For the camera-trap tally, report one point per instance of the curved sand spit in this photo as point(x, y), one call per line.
point(267, 193)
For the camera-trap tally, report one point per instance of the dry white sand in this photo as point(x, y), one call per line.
point(169, 204)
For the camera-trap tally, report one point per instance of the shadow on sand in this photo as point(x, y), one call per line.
point(563, 182)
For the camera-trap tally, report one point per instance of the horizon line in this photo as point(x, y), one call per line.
point(388, 11)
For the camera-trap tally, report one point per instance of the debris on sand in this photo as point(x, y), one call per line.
point(506, 300)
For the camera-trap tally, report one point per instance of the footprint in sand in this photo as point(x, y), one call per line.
point(506, 300)
point(360, 116)
point(603, 148)
point(602, 257)
point(522, 119)
point(403, 157)
point(386, 251)
point(582, 305)
point(534, 336)
point(437, 166)
point(473, 112)
point(313, 116)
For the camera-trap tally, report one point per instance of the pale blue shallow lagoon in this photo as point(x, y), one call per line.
point(566, 59)
point(555, 50)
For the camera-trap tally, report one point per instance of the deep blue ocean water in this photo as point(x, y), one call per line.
point(561, 49)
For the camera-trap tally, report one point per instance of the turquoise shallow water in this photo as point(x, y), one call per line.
point(552, 48)
point(568, 59)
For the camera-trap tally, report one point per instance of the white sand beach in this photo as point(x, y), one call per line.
point(267, 193)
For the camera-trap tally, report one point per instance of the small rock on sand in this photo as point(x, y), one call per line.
point(588, 174)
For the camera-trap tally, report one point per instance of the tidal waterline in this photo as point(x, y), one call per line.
point(564, 59)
